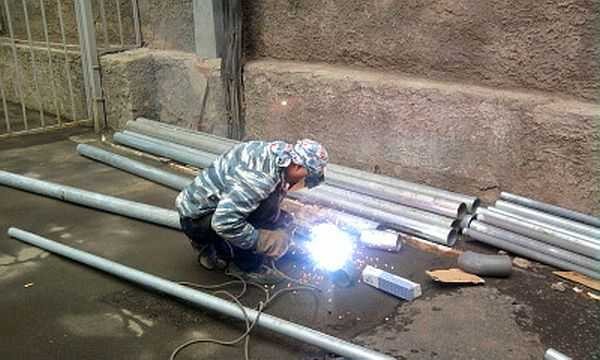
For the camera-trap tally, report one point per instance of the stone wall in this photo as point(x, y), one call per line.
point(173, 87)
point(468, 139)
point(550, 46)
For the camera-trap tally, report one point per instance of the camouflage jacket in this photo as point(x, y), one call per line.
point(232, 187)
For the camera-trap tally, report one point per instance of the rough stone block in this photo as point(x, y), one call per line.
point(463, 138)
point(174, 87)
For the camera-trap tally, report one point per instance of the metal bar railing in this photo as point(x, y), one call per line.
point(50, 67)
point(18, 75)
point(104, 24)
point(4, 106)
point(136, 23)
point(120, 22)
point(47, 128)
point(65, 51)
point(34, 71)
point(90, 64)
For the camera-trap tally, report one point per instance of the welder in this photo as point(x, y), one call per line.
point(232, 213)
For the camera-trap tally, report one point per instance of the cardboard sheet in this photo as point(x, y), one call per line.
point(579, 278)
point(454, 276)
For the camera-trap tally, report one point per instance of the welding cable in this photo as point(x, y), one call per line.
point(235, 298)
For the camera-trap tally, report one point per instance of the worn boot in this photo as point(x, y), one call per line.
point(207, 257)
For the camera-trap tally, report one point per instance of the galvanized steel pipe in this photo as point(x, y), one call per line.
point(441, 235)
point(545, 225)
point(387, 206)
point(218, 145)
point(108, 203)
point(179, 153)
point(485, 265)
point(471, 202)
point(549, 219)
point(201, 299)
point(552, 354)
point(528, 253)
point(202, 159)
point(197, 140)
point(538, 246)
point(134, 167)
point(175, 181)
point(562, 240)
point(551, 209)
point(430, 203)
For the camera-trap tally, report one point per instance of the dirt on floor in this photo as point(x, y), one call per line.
point(56, 308)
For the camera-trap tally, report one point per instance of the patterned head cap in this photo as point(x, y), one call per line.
point(311, 155)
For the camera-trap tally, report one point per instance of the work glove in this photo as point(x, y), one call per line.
point(273, 243)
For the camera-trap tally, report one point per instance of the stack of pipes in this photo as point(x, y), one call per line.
point(546, 233)
point(424, 211)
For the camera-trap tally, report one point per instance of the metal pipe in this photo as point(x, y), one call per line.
point(485, 265)
point(471, 202)
point(387, 206)
point(551, 209)
point(537, 246)
point(549, 219)
point(33, 65)
point(562, 240)
point(176, 152)
point(430, 203)
point(201, 299)
point(545, 225)
point(441, 235)
point(134, 167)
point(66, 53)
point(50, 67)
point(181, 137)
point(18, 81)
point(380, 239)
point(435, 233)
point(108, 203)
point(446, 236)
point(552, 354)
point(528, 253)
point(218, 145)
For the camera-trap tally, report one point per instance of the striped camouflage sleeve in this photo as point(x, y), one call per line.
point(245, 195)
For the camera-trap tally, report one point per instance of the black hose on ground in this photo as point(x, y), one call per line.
point(485, 265)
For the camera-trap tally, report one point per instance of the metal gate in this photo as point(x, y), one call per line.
point(49, 60)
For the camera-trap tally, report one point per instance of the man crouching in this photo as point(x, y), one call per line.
point(231, 211)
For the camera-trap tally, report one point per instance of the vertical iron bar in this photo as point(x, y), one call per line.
point(118, 3)
point(136, 23)
point(89, 62)
point(4, 106)
point(50, 67)
point(104, 24)
point(67, 65)
point(33, 64)
point(18, 76)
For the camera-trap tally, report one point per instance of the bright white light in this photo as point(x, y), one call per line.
point(329, 246)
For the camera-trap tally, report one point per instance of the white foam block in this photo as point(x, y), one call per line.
point(390, 283)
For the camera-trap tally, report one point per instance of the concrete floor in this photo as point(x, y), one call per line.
point(55, 308)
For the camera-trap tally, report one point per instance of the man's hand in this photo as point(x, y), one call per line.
point(273, 243)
